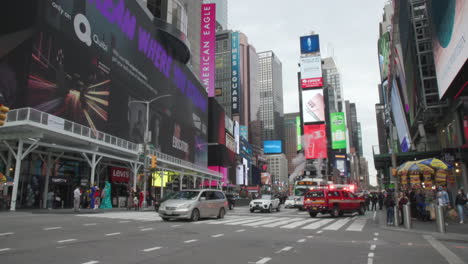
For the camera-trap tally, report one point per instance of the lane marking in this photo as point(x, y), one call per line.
point(318, 224)
point(410, 244)
point(375, 239)
point(371, 255)
point(319, 232)
point(375, 215)
point(337, 225)
point(283, 250)
point(66, 240)
point(218, 235)
point(4, 249)
point(151, 249)
point(301, 240)
point(113, 234)
point(146, 229)
point(90, 224)
point(443, 250)
point(191, 241)
point(357, 225)
point(370, 261)
point(91, 262)
point(240, 230)
point(218, 222)
point(299, 223)
point(376, 234)
point(246, 221)
point(7, 234)
point(259, 223)
point(263, 261)
point(283, 222)
point(175, 225)
point(124, 221)
point(372, 247)
point(52, 228)
point(310, 236)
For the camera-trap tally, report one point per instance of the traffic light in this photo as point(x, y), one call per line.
point(3, 114)
point(154, 162)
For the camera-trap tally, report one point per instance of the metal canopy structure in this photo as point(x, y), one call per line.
point(31, 131)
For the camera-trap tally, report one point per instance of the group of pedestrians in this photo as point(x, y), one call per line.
point(374, 198)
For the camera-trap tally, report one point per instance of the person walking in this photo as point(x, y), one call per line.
point(50, 199)
point(460, 202)
point(389, 204)
point(381, 200)
point(402, 201)
point(374, 200)
point(76, 198)
point(97, 198)
point(367, 198)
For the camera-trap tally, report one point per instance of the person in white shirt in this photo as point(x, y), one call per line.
point(76, 199)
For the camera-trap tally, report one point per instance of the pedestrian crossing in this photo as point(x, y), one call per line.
point(352, 223)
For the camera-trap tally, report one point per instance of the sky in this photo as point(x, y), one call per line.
point(348, 31)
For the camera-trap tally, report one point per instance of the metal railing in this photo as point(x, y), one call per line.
point(42, 118)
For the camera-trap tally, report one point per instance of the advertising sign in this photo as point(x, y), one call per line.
point(384, 54)
point(90, 60)
point(230, 143)
point(340, 164)
point(310, 44)
point(450, 31)
point(224, 179)
point(298, 132)
point(244, 132)
point(207, 47)
point(240, 174)
point(400, 119)
point(272, 146)
point(311, 72)
point(338, 130)
point(229, 125)
point(313, 106)
point(266, 178)
point(235, 73)
point(315, 142)
point(119, 174)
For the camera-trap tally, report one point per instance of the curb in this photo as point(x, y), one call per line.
point(451, 236)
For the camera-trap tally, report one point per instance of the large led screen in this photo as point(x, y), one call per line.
point(450, 32)
point(338, 130)
point(315, 142)
point(400, 119)
point(311, 72)
point(272, 146)
point(310, 44)
point(89, 62)
point(313, 107)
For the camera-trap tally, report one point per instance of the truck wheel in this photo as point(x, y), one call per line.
point(362, 210)
point(335, 212)
point(313, 214)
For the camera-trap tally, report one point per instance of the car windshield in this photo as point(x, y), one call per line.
point(185, 195)
point(300, 191)
point(266, 197)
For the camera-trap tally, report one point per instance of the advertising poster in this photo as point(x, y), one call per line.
point(310, 44)
point(338, 130)
point(207, 47)
point(235, 73)
point(266, 178)
point(315, 142)
point(89, 62)
point(450, 32)
point(311, 72)
point(313, 106)
point(272, 146)
point(384, 54)
point(298, 133)
point(340, 164)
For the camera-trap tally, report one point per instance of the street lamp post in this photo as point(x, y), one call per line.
point(145, 143)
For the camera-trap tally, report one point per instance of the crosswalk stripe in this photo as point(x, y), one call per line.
point(205, 222)
point(231, 220)
point(264, 222)
point(338, 224)
point(299, 223)
point(246, 221)
point(283, 222)
point(318, 224)
point(357, 225)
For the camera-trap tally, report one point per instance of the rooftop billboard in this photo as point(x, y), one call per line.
point(272, 146)
point(311, 72)
point(310, 44)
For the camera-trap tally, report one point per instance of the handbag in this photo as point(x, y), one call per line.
point(453, 215)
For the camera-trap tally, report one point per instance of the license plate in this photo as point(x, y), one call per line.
point(168, 212)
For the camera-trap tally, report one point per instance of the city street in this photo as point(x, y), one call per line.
point(288, 236)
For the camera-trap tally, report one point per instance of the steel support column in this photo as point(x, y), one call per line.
point(18, 155)
point(49, 164)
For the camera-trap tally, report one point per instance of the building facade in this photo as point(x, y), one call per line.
point(332, 78)
point(291, 138)
point(278, 168)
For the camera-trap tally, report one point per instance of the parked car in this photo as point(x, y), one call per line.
point(266, 203)
point(194, 204)
point(333, 202)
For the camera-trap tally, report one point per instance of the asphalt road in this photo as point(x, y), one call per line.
point(288, 236)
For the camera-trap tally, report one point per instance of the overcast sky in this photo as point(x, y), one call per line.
point(348, 30)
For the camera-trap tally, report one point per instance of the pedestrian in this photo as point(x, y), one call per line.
point(367, 199)
point(389, 205)
point(76, 199)
point(135, 202)
point(402, 201)
point(140, 205)
point(97, 198)
point(381, 200)
point(444, 202)
point(50, 199)
point(374, 200)
point(460, 202)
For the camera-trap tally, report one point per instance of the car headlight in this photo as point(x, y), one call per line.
point(184, 206)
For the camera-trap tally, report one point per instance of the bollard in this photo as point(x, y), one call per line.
point(440, 219)
point(407, 216)
point(396, 214)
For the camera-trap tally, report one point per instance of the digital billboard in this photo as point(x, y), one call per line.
point(311, 72)
point(449, 30)
point(400, 119)
point(313, 107)
point(338, 130)
point(384, 54)
point(272, 146)
point(340, 164)
point(207, 47)
point(89, 62)
point(310, 44)
point(298, 132)
point(235, 73)
point(315, 142)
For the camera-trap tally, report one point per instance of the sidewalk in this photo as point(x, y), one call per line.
point(82, 211)
point(454, 230)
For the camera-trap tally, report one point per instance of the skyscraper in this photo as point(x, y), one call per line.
point(221, 13)
point(290, 138)
point(271, 96)
point(332, 78)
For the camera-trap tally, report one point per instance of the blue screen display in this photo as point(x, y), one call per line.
point(310, 44)
point(272, 146)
